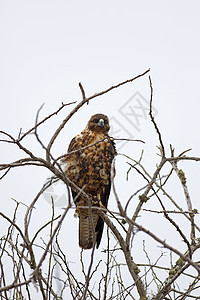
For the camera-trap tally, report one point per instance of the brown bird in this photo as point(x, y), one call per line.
point(88, 165)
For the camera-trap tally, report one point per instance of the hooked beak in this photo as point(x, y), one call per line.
point(101, 123)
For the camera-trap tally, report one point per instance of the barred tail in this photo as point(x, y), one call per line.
point(87, 228)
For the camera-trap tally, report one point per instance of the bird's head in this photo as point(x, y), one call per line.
point(99, 123)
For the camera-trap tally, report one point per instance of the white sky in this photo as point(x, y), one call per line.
point(48, 47)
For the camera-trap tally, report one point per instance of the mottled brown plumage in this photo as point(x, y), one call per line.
point(89, 168)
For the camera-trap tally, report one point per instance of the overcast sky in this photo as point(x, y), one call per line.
point(48, 47)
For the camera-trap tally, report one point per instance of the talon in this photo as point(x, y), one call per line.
point(99, 199)
point(101, 205)
point(95, 201)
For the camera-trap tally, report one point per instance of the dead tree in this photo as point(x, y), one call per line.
point(28, 267)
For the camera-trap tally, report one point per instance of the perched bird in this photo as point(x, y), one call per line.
point(88, 165)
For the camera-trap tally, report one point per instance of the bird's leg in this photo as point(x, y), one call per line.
point(96, 201)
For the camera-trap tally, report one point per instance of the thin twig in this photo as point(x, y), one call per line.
point(154, 123)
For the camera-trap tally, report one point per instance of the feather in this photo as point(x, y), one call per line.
point(88, 164)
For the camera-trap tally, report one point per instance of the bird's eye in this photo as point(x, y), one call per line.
point(96, 120)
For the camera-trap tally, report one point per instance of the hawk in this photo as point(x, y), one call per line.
point(88, 165)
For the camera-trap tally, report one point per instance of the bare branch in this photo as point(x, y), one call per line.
point(154, 123)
